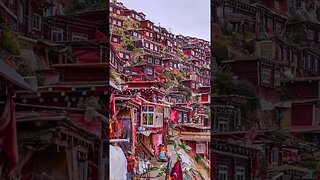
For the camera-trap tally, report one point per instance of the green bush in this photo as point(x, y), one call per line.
point(219, 51)
point(9, 42)
point(197, 158)
point(130, 46)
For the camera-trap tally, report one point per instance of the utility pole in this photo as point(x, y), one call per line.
point(168, 167)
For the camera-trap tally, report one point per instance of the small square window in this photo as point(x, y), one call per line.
point(310, 34)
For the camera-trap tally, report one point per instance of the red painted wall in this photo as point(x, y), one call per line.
point(302, 114)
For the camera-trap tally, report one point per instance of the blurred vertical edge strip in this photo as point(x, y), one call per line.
point(212, 169)
point(107, 142)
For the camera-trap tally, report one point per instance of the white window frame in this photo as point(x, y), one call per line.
point(274, 156)
point(114, 22)
point(127, 56)
point(150, 60)
point(278, 28)
point(36, 22)
point(147, 112)
point(151, 46)
point(201, 148)
point(310, 34)
point(157, 61)
point(47, 11)
point(159, 117)
point(58, 31)
point(309, 61)
point(277, 79)
point(223, 125)
point(180, 117)
point(223, 172)
point(121, 54)
point(118, 12)
point(135, 34)
point(79, 37)
point(240, 173)
point(119, 24)
point(149, 71)
point(266, 75)
point(185, 117)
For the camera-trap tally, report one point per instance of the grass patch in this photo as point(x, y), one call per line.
point(9, 42)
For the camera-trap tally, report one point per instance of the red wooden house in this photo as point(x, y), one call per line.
point(135, 15)
point(303, 88)
point(308, 32)
point(80, 27)
point(281, 6)
point(265, 74)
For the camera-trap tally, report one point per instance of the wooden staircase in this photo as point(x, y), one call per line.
point(142, 148)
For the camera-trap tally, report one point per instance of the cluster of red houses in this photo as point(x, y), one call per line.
point(285, 73)
point(162, 80)
point(60, 112)
point(62, 96)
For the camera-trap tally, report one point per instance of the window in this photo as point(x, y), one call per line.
point(82, 37)
point(240, 173)
point(47, 11)
point(266, 76)
point(180, 117)
point(200, 148)
point(151, 46)
point(135, 117)
point(222, 172)
point(36, 22)
point(159, 117)
point(170, 64)
point(118, 12)
point(119, 23)
point(147, 115)
point(310, 34)
point(156, 48)
point(147, 45)
point(147, 33)
point(315, 65)
point(149, 60)
point(22, 5)
point(111, 9)
point(278, 28)
point(157, 61)
point(127, 56)
point(114, 22)
point(149, 71)
point(151, 35)
point(193, 85)
point(175, 65)
point(121, 55)
point(274, 156)
point(185, 117)
point(135, 34)
point(223, 125)
point(277, 79)
point(57, 35)
point(309, 62)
